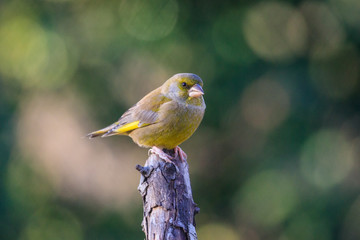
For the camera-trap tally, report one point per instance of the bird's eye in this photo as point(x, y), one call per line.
point(184, 84)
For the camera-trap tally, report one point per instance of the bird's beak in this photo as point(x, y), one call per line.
point(196, 91)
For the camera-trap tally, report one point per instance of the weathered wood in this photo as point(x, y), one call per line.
point(169, 208)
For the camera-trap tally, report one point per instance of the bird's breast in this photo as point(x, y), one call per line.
point(178, 121)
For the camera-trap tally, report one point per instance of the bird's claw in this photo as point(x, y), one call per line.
point(179, 152)
point(161, 154)
point(168, 158)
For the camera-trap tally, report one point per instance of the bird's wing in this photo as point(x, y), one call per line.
point(142, 114)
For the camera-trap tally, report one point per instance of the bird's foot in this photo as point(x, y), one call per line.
point(158, 151)
point(179, 152)
point(168, 157)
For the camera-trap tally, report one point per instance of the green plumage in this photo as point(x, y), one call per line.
point(167, 116)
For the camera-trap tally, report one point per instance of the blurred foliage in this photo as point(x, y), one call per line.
point(277, 154)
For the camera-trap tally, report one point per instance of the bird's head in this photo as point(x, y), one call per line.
point(184, 87)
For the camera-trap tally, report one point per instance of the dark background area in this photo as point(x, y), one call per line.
point(276, 156)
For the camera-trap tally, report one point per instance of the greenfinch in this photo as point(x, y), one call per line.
point(164, 118)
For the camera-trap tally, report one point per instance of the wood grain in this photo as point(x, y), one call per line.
point(169, 209)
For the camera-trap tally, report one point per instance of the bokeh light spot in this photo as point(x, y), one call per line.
point(326, 158)
point(275, 31)
point(349, 12)
point(31, 55)
point(326, 34)
point(50, 131)
point(22, 48)
point(149, 20)
point(265, 104)
point(267, 198)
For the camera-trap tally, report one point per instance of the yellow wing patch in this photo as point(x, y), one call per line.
point(127, 127)
point(111, 130)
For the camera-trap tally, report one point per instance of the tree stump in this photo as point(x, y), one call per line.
point(169, 208)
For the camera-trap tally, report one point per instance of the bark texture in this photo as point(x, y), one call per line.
point(169, 209)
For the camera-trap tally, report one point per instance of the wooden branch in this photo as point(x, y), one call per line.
point(169, 209)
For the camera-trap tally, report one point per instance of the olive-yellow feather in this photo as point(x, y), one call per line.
point(165, 117)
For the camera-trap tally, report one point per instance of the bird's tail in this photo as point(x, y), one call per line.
point(116, 129)
point(105, 132)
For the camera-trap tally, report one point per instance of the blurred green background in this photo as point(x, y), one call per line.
point(276, 156)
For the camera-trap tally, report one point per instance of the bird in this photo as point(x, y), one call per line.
point(164, 118)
